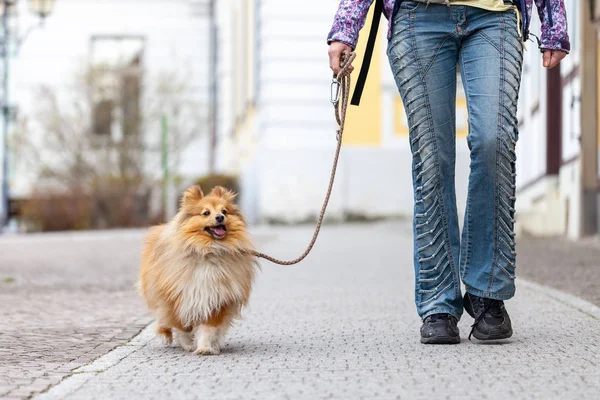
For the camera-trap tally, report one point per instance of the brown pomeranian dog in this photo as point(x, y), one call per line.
point(197, 270)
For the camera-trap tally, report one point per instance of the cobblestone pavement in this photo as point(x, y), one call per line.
point(343, 325)
point(65, 299)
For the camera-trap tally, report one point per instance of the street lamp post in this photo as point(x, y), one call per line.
point(41, 8)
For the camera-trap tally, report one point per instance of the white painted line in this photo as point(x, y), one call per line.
point(67, 386)
point(110, 359)
point(582, 305)
point(83, 374)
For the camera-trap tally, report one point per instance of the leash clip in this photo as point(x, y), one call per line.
point(335, 91)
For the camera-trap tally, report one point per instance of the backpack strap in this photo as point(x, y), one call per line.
point(364, 68)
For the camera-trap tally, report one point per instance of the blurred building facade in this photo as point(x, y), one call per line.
point(160, 39)
point(558, 150)
point(277, 127)
point(276, 124)
point(269, 79)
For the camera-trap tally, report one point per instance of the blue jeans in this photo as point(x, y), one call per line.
point(426, 45)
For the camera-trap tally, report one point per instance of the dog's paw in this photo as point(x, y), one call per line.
point(166, 340)
point(165, 334)
point(207, 351)
point(185, 341)
point(187, 346)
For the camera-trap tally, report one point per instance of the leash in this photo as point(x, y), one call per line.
point(340, 93)
point(364, 68)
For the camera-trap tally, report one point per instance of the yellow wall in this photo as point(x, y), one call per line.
point(400, 123)
point(462, 117)
point(363, 123)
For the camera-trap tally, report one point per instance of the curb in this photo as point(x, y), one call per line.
point(81, 375)
point(575, 302)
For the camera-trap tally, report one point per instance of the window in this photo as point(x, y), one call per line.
point(115, 79)
point(102, 117)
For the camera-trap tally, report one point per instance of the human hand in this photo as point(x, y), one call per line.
point(553, 57)
point(336, 49)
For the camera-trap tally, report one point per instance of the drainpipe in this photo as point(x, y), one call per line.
point(213, 98)
point(589, 124)
point(4, 207)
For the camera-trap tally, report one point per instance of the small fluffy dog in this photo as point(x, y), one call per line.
point(197, 270)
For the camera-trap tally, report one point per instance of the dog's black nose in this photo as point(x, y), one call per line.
point(220, 218)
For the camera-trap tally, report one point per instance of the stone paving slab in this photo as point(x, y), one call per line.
point(65, 299)
point(343, 325)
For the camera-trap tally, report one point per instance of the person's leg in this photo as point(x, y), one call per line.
point(423, 53)
point(490, 61)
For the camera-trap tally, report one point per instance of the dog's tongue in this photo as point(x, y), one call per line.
point(220, 231)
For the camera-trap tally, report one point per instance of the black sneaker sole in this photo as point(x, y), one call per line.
point(441, 340)
point(492, 336)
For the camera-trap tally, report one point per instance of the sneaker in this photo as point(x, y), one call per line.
point(491, 319)
point(440, 329)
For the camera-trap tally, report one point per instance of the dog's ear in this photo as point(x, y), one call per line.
point(192, 195)
point(223, 193)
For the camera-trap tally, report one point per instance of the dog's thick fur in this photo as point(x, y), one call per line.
point(195, 279)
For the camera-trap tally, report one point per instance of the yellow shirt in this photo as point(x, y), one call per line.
point(491, 5)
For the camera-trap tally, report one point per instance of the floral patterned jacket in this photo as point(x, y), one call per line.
point(351, 16)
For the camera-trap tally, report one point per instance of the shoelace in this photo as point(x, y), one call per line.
point(488, 305)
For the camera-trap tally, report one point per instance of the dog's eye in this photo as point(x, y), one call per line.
point(206, 213)
point(224, 212)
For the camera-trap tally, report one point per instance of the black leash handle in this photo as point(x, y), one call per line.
point(364, 68)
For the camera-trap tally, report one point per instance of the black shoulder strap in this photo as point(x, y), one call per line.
point(364, 68)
